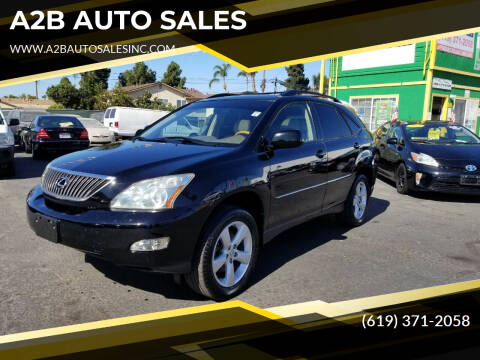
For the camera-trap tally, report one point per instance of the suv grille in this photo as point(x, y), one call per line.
point(71, 185)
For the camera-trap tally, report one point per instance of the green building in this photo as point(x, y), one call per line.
point(423, 81)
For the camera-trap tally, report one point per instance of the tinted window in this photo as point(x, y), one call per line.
point(112, 113)
point(352, 122)
point(295, 116)
point(107, 114)
point(398, 133)
point(58, 122)
point(333, 125)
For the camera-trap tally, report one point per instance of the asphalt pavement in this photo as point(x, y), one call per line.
point(407, 243)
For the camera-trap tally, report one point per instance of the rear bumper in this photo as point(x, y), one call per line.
point(109, 234)
point(61, 145)
point(6, 155)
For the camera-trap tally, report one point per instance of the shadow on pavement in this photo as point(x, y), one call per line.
point(434, 196)
point(286, 247)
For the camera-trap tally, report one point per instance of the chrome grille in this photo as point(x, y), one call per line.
point(72, 185)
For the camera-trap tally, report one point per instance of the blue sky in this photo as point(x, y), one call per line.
point(197, 67)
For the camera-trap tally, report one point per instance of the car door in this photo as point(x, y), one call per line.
point(393, 153)
point(296, 175)
point(343, 148)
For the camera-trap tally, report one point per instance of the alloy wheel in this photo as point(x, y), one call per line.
point(232, 254)
point(360, 200)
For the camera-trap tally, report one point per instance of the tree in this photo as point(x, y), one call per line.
point(139, 74)
point(173, 77)
point(91, 84)
point(254, 86)
point(65, 94)
point(244, 74)
point(116, 97)
point(296, 79)
point(263, 83)
point(221, 71)
point(316, 83)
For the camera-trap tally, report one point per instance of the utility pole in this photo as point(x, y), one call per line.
point(36, 89)
point(322, 78)
point(275, 86)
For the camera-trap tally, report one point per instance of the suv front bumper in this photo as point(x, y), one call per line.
point(109, 234)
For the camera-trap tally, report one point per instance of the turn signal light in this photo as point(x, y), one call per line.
point(84, 134)
point(42, 134)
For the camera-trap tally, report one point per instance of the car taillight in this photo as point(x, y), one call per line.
point(84, 134)
point(42, 134)
point(115, 124)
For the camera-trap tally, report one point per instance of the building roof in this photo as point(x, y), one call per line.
point(188, 93)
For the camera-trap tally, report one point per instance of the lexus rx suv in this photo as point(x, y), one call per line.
point(200, 191)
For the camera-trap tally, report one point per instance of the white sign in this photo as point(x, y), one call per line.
point(458, 45)
point(467, 93)
point(385, 57)
point(444, 84)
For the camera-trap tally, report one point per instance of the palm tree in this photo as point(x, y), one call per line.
point(222, 72)
point(263, 84)
point(252, 75)
point(243, 73)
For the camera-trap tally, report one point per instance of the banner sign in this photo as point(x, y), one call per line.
point(476, 65)
point(458, 45)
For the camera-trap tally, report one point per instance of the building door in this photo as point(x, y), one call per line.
point(438, 108)
point(466, 112)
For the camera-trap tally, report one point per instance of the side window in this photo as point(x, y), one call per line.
point(295, 116)
point(332, 123)
point(351, 121)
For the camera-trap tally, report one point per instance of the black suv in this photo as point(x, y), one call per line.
point(201, 190)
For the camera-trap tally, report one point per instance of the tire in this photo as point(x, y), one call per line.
point(220, 232)
point(21, 143)
point(355, 207)
point(401, 180)
point(28, 148)
point(36, 154)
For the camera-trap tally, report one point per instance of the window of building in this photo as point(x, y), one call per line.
point(374, 111)
point(181, 102)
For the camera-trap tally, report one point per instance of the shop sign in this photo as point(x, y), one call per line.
point(443, 84)
point(458, 45)
point(476, 65)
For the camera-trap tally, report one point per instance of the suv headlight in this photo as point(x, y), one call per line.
point(152, 194)
point(424, 159)
point(6, 140)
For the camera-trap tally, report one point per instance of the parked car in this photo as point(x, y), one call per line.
point(124, 122)
point(203, 204)
point(429, 156)
point(97, 133)
point(54, 133)
point(7, 147)
point(22, 118)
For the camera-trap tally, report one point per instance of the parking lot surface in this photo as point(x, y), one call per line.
point(407, 243)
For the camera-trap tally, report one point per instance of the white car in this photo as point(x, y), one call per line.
point(98, 134)
point(7, 146)
point(125, 121)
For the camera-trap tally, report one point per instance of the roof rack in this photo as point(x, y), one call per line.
point(300, 92)
point(243, 93)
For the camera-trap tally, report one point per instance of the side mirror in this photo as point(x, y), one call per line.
point(286, 139)
point(138, 132)
point(392, 141)
point(14, 122)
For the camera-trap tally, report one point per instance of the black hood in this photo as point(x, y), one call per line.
point(138, 157)
point(451, 154)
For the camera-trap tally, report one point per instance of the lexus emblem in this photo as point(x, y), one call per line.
point(62, 182)
point(471, 168)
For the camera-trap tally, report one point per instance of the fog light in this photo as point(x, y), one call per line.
point(150, 244)
point(418, 178)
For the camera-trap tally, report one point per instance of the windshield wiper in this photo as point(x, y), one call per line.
point(141, 138)
point(184, 140)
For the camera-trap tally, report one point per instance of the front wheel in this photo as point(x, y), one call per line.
point(226, 255)
point(401, 180)
point(355, 208)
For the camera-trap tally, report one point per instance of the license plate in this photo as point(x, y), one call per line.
point(470, 180)
point(47, 227)
point(65, 136)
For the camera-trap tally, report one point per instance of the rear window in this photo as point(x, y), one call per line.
point(112, 113)
point(107, 113)
point(58, 122)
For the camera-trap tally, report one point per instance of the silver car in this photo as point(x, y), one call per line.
point(97, 133)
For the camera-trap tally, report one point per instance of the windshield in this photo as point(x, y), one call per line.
point(441, 133)
point(58, 122)
point(91, 123)
point(225, 122)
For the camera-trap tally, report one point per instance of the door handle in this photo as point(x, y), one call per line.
point(320, 154)
point(356, 145)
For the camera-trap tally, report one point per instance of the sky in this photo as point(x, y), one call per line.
point(197, 68)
